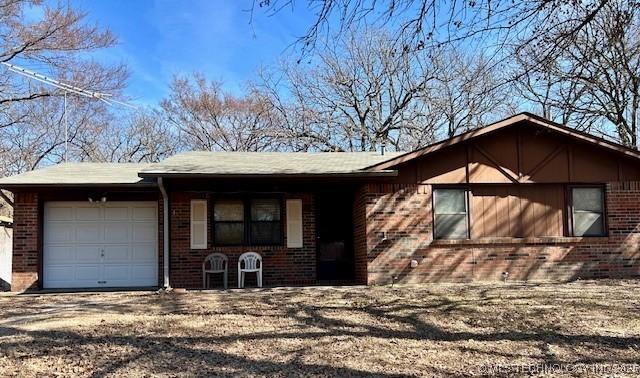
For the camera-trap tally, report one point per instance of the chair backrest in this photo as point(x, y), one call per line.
point(217, 261)
point(251, 260)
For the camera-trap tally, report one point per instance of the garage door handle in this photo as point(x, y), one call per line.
point(102, 253)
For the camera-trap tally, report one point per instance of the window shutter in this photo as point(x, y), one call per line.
point(198, 224)
point(294, 223)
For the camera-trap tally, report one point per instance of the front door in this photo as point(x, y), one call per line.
point(334, 227)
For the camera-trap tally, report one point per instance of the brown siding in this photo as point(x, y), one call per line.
point(522, 154)
point(516, 211)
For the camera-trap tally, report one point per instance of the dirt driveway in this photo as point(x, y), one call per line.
point(436, 330)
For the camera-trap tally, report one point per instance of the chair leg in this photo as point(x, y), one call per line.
point(259, 278)
point(242, 279)
point(238, 278)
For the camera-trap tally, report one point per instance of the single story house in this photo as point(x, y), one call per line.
point(521, 199)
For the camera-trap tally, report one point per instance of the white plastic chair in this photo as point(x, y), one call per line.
point(252, 263)
point(218, 263)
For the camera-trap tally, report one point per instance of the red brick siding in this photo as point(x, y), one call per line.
point(26, 242)
point(281, 265)
point(403, 213)
point(359, 236)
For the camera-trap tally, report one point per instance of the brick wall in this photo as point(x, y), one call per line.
point(281, 265)
point(26, 242)
point(399, 230)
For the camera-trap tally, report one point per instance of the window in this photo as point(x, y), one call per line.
point(587, 211)
point(265, 222)
point(229, 227)
point(254, 221)
point(198, 224)
point(450, 214)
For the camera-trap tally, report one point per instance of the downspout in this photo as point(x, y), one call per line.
point(165, 232)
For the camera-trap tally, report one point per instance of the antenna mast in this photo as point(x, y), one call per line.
point(104, 97)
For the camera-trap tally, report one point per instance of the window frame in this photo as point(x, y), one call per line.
point(570, 226)
point(466, 191)
point(247, 220)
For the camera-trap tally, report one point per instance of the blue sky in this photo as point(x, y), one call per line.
point(160, 38)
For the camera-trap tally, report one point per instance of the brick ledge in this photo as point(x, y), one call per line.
point(535, 240)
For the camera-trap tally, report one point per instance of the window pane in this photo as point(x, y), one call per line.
point(265, 210)
point(451, 226)
point(588, 199)
point(228, 211)
point(449, 201)
point(587, 224)
point(265, 233)
point(229, 233)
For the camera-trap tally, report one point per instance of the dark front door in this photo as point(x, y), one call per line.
point(334, 227)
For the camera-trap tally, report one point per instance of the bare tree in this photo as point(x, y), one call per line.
point(136, 137)
point(595, 84)
point(467, 93)
point(31, 113)
point(53, 45)
point(210, 119)
point(366, 91)
point(362, 92)
point(548, 24)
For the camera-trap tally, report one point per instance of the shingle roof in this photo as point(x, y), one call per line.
point(268, 163)
point(204, 163)
point(79, 174)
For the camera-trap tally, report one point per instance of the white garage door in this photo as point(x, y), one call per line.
point(112, 244)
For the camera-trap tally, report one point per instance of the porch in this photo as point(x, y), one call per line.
point(249, 217)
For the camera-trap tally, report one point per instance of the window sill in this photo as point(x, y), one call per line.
point(520, 241)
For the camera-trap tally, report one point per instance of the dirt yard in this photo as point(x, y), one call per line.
point(578, 329)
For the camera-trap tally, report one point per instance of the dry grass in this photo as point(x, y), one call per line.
point(436, 330)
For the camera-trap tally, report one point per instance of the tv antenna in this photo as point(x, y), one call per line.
point(67, 88)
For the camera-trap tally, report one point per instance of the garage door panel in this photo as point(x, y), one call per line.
point(88, 213)
point(144, 213)
point(89, 232)
point(87, 253)
point(87, 272)
point(116, 213)
point(60, 253)
point(94, 245)
point(59, 233)
point(116, 232)
point(116, 253)
point(144, 232)
point(144, 273)
point(59, 272)
point(117, 272)
point(59, 213)
point(143, 252)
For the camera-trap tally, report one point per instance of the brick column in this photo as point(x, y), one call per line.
point(26, 242)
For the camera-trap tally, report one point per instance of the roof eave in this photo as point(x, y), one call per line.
point(361, 174)
point(499, 125)
point(77, 185)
